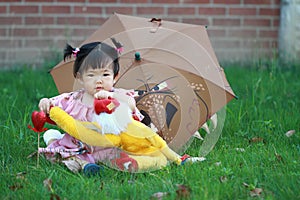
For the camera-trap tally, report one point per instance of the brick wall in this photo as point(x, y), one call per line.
point(32, 30)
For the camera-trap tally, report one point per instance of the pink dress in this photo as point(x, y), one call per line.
point(68, 146)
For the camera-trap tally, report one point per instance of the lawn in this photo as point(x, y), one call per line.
point(253, 159)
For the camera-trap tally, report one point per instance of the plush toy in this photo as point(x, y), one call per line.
point(138, 140)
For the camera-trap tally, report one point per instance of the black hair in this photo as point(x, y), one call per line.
point(94, 54)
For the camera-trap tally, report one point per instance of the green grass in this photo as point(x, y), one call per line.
point(268, 106)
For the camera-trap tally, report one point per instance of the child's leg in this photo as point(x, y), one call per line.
point(76, 164)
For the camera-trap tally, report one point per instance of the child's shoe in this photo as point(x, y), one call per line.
point(92, 169)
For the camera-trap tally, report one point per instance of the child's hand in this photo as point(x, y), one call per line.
point(45, 105)
point(103, 94)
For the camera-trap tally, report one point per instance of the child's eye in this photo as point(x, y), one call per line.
point(90, 75)
point(106, 74)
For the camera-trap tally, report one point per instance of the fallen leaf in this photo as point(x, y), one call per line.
point(48, 184)
point(278, 157)
point(21, 175)
point(256, 192)
point(245, 184)
point(15, 187)
point(54, 196)
point(256, 139)
point(223, 179)
point(290, 133)
point(159, 195)
point(183, 192)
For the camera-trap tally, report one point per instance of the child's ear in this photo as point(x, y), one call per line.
point(116, 78)
point(79, 77)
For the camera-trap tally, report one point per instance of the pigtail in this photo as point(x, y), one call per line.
point(68, 51)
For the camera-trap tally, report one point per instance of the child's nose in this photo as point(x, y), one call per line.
point(99, 79)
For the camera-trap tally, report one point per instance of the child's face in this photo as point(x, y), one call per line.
point(94, 80)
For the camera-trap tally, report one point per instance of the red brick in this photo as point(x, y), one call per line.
point(38, 43)
point(257, 22)
point(257, 1)
point(181, 11)
point(149, 10)
point(25, 32)
point(2, 32)
point(103, 1)
point(56, 9)
point(96, 20)
point(268, 34)
point(7, 1)
point(269, 11)
point(166, 1)
point(225, 43)
point(87, 10)
point(17, 43)
point(24, 9)
point(212, 11)
point(171, 19)
point(72, 1)
point(242, 33)
point(117, 9)
point(226, 22)
point(133, 1)
point(52, 31)
point(197, 2)
point(38, 1)
point(216, 32)
point(242, 11)
point(227, 1)
point(197, 21)
point(10, 20)
point(83, 32)
point(276, 22)
point(39, 20)
point(72, 20)
point(2, 9)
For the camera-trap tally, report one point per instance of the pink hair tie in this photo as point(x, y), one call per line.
point(75, 52)
point(119, 50)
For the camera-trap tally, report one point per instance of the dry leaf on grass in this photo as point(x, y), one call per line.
point(223, 179)
point(256, 139)
point(54, 197)
point(256, 192)
point(159, 195)
point(15, 187)
point(183, 192)
point(290, 133)
point(48, 184)
point(21, 175)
